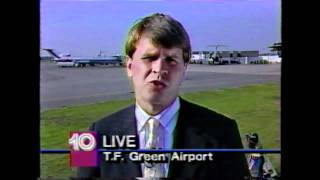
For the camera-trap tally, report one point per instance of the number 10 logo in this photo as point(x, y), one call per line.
point(83, 149)
point(82, 141)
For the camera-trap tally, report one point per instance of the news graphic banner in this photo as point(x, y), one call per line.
point(84, 151)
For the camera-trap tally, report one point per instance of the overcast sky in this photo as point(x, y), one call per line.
point(84, 27)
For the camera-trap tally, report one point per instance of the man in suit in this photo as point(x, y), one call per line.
point(158, 51)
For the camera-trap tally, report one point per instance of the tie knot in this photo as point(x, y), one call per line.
point(153, 123)
point(154, 134)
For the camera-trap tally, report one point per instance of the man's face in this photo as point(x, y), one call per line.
point(156, 72)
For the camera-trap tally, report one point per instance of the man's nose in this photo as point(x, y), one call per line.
point(159, 67)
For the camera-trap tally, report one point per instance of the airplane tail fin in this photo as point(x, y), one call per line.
point(52, 53)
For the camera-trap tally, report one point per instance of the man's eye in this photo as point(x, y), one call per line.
point(149, 58)
point(171, 61)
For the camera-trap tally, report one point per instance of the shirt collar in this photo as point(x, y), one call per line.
point(165, 116)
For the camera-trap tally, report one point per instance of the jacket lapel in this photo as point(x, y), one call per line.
point(128, 126)
point(188, 135)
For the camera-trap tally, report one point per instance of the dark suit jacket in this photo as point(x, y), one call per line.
point(197, 128)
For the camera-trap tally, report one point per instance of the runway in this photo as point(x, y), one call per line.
point(72, 86)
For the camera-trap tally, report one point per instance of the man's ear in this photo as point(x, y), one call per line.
point(129, 66)
point(185, 71)
point(186, 65)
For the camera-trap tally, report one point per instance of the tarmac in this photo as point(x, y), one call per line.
point(61, 87)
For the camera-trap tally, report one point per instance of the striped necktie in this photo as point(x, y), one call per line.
point(154, 140)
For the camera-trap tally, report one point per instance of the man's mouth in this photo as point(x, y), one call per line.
point(158, 84)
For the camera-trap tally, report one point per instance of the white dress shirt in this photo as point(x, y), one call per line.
point(168, 119)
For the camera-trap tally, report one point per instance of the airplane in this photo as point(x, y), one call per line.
point(66, 60)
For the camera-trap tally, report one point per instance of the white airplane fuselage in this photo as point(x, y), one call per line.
point(69, 61)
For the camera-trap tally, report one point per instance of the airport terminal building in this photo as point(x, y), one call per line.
point(230, 57)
